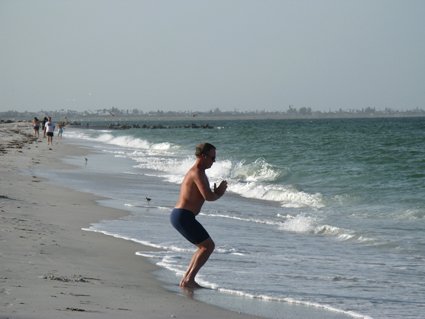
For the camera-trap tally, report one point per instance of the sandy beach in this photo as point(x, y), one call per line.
point(49, 267)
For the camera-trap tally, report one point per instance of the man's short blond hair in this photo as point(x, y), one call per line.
point(203, 149)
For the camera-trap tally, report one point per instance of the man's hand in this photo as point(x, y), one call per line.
point(221, 188)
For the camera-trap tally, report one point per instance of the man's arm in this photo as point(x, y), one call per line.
point(201, 181)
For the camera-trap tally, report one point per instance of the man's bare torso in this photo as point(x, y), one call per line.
point(190, 195)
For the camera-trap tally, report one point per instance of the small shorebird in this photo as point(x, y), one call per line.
point(86, 159)
point(148, 199)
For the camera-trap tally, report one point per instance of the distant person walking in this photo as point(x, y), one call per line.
point(60, 130)
point(44, 126)
point(36, 126)
point(49, 128)
point(194, 191)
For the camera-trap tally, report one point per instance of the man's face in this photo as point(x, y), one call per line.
point(210, 158)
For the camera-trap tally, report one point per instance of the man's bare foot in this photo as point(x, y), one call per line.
point(190, 284)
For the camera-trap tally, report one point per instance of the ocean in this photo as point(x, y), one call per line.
point(323, 215)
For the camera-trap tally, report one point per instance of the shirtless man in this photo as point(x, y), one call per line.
point(194, 191)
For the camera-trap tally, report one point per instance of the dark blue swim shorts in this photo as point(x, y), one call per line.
point(186, 224)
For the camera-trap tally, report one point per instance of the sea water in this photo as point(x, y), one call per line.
point(320, 214)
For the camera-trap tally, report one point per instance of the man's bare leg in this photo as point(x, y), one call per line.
point(199, 258)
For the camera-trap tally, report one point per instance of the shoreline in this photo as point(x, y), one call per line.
point(50, 267)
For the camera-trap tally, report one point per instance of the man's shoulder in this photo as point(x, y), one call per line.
point(195, 172)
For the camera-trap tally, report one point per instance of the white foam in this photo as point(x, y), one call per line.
point(287, 300)
point(285, 195)
point(245, 219)
point(299, 224)
point(309, 225)
point(125, 141)
point(145, 243)
point(248, 179)
point(411, 214)
point(257, 171)
point(231, 251)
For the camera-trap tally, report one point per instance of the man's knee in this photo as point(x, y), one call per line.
point(207, 245)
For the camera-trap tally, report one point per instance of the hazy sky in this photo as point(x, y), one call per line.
point(199, 55)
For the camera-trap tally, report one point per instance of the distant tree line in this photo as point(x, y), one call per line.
point(291, 112)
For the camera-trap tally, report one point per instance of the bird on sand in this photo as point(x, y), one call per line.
point(148, 199)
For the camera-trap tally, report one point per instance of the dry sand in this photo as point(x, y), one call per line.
point(50, 268)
